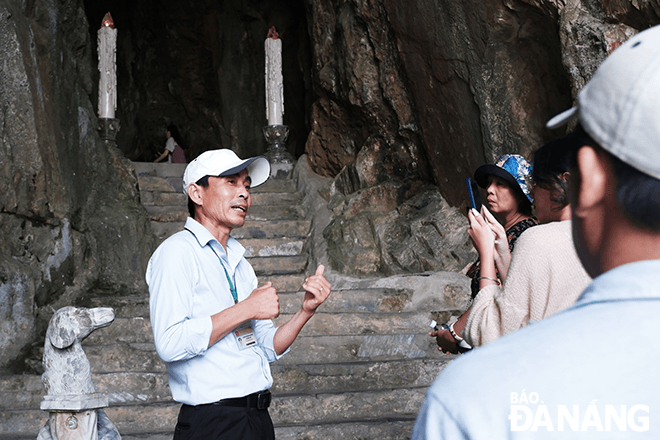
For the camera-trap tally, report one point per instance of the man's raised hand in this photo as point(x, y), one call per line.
point(317, 290)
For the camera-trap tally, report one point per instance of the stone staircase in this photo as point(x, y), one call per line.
point(359, 369)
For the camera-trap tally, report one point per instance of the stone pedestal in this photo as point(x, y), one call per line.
point(81, 425)
point(72, 417)
point(78, 402)
point(281, 161)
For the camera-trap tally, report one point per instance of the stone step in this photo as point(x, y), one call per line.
point(349, 324)
point(161, 169)
point(275, 212)
point(123, 306)
point(284, 283)
point(122, 330)
point(263, 247)
point(344, 407)
point(360, 348)
point(19, 424)
point(273, 228)
point(275, 198)
point(170, 171)
point(159, 198)
point(351, 301)
point(151, 436)
point(251, 229)
point(165, 170)
point(168, 191)
point(153, 183)
point(142, 357)
point(26, 391)
point(275, 186)
point(267, 247)
point(138, 305)
point(138, 329)
point(357, 376)
point(342, 314)
point(278, 265)
point(380, 429)
point(168, 185)
point(286, 411)
point(121, 358)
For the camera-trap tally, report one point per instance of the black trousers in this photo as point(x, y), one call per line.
point(223, 422)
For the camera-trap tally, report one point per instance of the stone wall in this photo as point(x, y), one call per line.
point(70, 216)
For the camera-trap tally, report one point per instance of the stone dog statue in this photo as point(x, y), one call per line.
point(70, 394)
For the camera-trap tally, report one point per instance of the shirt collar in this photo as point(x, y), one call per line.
point(637, 280)
point(235, 250)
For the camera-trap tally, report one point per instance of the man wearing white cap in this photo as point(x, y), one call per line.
point(589, 372)
point(212, 324)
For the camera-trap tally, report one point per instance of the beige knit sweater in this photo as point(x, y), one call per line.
point(545, 276)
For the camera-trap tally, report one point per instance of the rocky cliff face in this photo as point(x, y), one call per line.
point(398, 102)
point(421, 91)
point(70, 220)
point(457, 83)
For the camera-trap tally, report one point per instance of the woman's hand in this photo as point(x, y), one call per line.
point(482, 235)
point(446, 342)
point(501, 244)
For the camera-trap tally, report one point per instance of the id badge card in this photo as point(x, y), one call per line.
point(245, 336)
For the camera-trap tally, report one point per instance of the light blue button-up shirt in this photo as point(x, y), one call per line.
point(588, 372)
point(187, 285)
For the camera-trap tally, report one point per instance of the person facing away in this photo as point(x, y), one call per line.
point(544, 275)
point(588, 372)
point(173, 151)
point(211, 321)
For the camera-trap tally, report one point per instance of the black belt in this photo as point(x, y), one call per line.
point(259, 400)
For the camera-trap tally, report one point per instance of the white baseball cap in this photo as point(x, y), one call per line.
point(225, 162)
point(620, 106)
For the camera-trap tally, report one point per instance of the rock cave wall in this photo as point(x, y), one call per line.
point(424, 92)
point(70, 217)
point(397, 102)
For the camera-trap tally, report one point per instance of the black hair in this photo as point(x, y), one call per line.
point(174, 132)
point(554, 159)
point(524, 205)
point(203, 182)
point(637, 193)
